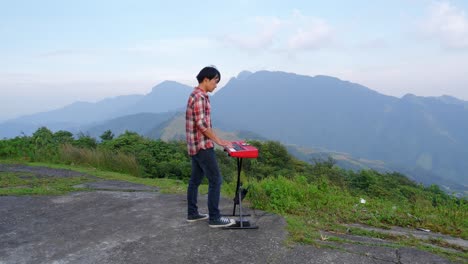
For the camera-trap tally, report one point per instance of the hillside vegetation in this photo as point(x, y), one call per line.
point(317, 196)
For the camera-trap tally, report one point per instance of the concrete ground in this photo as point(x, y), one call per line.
point(122, 222)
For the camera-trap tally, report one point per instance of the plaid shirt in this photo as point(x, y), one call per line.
point(197, 121)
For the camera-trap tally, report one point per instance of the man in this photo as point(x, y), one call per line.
point(200, 138)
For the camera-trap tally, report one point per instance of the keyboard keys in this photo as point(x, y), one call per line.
point(240, 149)
point(237, 147)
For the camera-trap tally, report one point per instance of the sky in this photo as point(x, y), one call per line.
point(53, 53)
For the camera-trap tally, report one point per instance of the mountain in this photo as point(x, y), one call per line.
point(343, 160)
point(419, 133)
point(71, 117)
point(452, 100)
point(294, 108)
point(11, 129)
point(164, 97)
point(174, 129)
point(141, 123)
point(82, 112)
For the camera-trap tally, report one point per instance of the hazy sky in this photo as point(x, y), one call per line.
point(53, 53)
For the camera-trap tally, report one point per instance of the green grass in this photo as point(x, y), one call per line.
point(322, 206)
point(305, 232)
point(20, 183)
point(164, 185)
point(442, 249)
point(312, 207)
point(308, 207)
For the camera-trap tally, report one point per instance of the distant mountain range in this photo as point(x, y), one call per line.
point(142, 123)
point(418, 133)
point(424, 137)
point(82, 116)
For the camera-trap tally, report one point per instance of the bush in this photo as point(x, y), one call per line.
point(85, 141)
point(113, 161)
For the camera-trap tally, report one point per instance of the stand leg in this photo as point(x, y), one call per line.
point(240, 209)
point(241, 224)
point(239, 168)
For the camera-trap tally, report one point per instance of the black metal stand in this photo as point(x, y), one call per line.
point(240, 193)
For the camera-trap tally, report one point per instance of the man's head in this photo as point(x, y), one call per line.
point(208, 78)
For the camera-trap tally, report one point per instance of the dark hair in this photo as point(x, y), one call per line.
point(209, 72)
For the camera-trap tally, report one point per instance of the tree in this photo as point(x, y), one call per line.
point(363, 180)
point(107, 135)
point(85, 141)
point(44, 145)
point(43, 137)
point(62, 137)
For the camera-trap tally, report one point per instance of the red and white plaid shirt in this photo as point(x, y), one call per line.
point(197, 120)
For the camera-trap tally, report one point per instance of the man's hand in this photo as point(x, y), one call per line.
point(225, 143)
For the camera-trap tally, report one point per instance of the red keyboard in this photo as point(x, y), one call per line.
point(240, 149)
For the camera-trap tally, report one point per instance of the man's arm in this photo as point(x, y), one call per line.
point(212, 135)
point(202, 124)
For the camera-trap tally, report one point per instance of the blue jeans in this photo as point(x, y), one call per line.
point(204, 164)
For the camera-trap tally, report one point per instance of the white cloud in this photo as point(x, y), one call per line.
point(448, 24)
point(311, 33)
point(295, 33)
point(267, 29)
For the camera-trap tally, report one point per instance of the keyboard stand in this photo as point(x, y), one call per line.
point(241, 223)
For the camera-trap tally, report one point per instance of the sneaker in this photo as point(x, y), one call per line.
point(197, 217)
point(222, 222)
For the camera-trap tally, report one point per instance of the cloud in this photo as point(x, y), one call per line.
point(447, 24)
point(266, 30)
point(311, 33)
point(294, 33)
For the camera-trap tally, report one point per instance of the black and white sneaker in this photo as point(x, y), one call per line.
point(222, 222)
point(197, 217)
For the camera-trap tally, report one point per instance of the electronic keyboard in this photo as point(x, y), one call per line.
point(240, 149)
